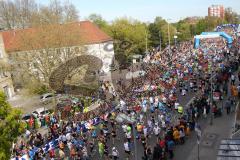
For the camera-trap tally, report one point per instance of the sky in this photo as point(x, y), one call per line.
point(147, 10)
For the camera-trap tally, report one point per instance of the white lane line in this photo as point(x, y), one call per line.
point(235, 121)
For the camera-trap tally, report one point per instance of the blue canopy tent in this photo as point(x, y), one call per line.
point(204, 35)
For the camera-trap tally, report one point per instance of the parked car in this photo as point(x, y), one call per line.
point(27, 117)
point(41, 111)
point(46, 98)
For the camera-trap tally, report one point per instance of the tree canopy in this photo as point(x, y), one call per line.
point(28, 13)
point(125, 30)
point(98, 20)
point(10, 127)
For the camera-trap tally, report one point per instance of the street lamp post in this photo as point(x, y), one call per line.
point(54, 102)
point(211, 99)
point(146, 40)
point(175, 40)
point(160, 41)
point(211, 95)
point(169, 37)
point(132, 72)
point(134, 141)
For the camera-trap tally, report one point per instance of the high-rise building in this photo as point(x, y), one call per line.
point(216, 11)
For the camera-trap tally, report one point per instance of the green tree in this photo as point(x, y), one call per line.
point(155, 30)
point(201, 26)
point(10, 127)
point(184, 31)
point(155, 35)
point(172, 31)
point(213, 22)
point(97, 19)
point(208, 24)
point(159, 29)
point(192, 29)
point(131, 31)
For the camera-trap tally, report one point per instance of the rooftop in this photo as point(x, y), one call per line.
point(89, 33)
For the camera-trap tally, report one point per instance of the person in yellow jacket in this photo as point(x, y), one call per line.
point(180, 109)
point(176, 135)
point(234, 91)
point(85, 110)
point(187, 131)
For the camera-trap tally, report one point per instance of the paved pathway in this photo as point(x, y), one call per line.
point(212, 135)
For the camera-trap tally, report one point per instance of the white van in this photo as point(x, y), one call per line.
point(46, 98)
point(41, 111)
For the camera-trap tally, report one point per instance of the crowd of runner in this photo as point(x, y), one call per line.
point(156, 120)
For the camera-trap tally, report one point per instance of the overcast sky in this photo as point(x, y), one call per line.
point(147, 10)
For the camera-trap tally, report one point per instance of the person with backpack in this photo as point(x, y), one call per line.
point(182, 135)
point(115, 153)
point(94, 134)
point(232, 79)
point(148, 155)
point(228, 105)
point(157, 152)
point(127, 149)
point(170, 146)
point(238, 90)
point(238, 76)
point(156, 130)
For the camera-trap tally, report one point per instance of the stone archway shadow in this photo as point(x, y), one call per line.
point(58, 76)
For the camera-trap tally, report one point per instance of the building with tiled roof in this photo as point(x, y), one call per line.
point(59, 37)
point(89, 33)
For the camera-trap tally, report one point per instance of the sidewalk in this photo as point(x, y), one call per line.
point(211, 137)
point(222, 128)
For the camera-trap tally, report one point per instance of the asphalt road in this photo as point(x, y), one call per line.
point(181, 150)
point(30, 104)
point(184, 101)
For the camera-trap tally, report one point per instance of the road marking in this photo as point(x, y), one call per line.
point(235, 121)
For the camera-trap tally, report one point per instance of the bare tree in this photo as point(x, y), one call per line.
point(16, 14)
point(25, 10)
point(56, 13)
point(8, 14)
point(26, 13)
point(53, 13)
point(70, 12)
